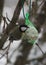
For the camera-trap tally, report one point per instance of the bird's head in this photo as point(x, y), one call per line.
point(22, 27)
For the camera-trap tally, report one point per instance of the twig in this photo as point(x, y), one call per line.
point(8, 47)
point(41, 4)
point(40, 49)
point(7, 17)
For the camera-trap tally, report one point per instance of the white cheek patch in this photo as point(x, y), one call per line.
point(23, 28)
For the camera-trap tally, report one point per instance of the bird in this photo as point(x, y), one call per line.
point(29, 31)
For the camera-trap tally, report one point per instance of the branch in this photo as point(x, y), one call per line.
point(1, 8)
